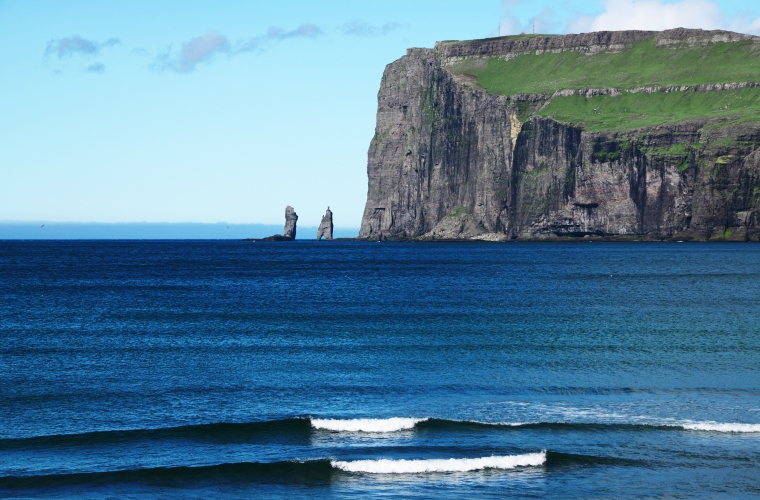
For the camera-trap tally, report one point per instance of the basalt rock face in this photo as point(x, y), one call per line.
point(449, 160)
point(437, 145)
point(570, 183)
point(291, 218)
point(326, 226)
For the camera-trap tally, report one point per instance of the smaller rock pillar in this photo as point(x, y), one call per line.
point(326, 226)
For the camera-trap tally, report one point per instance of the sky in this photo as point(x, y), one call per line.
point(201, 111)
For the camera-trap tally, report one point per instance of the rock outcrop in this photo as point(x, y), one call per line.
point(450, 160)
point(291, 218)
point(289, 233)
point(326, 226)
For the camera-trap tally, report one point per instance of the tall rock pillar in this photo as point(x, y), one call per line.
point(326, 226)
point(290, 223)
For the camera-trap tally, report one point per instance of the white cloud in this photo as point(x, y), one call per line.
point(628, 15)
point(653, 15)
point(659, 15)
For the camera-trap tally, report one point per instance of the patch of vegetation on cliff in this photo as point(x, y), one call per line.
point(630, 111)
point(604, 151)
point(458, 211)
point(676, 154)
point(642, 64)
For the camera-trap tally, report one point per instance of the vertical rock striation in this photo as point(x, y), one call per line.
point(438, 145)
point(326, 226)
point(449, 160)
point(291, 218)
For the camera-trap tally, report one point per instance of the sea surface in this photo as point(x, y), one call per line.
point(227, 369)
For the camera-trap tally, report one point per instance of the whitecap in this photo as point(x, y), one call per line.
point(366, 424)
point(386, 466)
point(721, 427)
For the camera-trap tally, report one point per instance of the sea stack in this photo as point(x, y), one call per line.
point(326, 226)
point(290, 223)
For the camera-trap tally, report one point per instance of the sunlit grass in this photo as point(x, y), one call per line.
point(642, 64)
point(631, 111)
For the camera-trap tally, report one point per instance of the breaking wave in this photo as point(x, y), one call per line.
point(386, 466)
point(366, 424)
point(303, 472)
point(298, 431)
point(722, 427)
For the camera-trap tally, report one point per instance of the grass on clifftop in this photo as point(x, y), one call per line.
point(642, 64)
point(631, 111)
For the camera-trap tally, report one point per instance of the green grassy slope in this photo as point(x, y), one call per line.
point(631, 111)
point(642, 64)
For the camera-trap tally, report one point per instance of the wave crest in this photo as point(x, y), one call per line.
point(721, 427)
point(366, 424)
point(385, 466)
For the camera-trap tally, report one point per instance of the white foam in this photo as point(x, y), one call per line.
point(719, 427)
point(386, 466)
point(366, 424)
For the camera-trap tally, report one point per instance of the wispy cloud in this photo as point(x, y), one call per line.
point(305, 30)
point(76, 45)
point(96, 68)
point(545, 21)
point(358, 27)
point(277, 34)
point(194, 51)
point(204, 49)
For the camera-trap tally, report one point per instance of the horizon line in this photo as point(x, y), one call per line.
point(41, 221)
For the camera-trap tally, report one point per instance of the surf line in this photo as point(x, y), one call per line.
point(396, 424)
point(366, 424)
point(387, 466)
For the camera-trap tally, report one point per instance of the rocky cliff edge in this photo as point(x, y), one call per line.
point(449, 160)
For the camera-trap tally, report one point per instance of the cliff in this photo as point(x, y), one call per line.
point(627, 135)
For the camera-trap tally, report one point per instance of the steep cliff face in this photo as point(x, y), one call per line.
point(438, 145)
point(452, 160)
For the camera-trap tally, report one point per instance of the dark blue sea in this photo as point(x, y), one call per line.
point(227, 369)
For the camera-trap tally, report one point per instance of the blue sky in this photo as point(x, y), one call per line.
point(178, 111)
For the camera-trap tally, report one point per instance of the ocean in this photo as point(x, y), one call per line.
point(228, 369)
